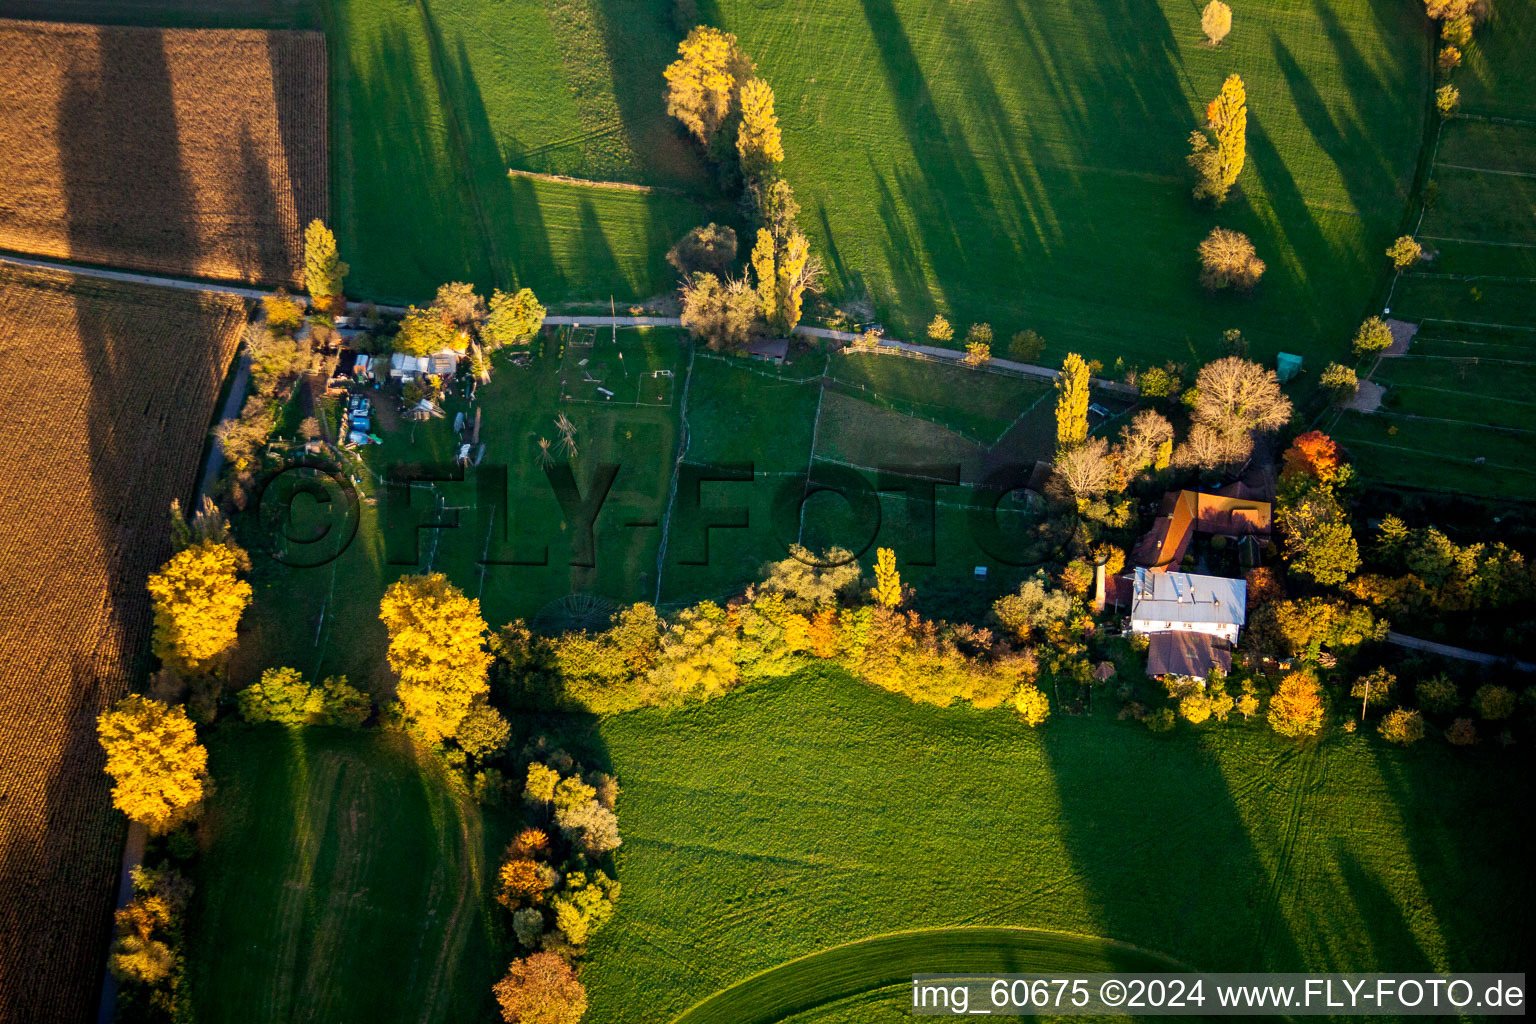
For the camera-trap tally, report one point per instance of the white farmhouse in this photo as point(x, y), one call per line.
point(1193, 620)
point(1168, 601)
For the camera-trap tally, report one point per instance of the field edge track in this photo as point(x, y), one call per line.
point(883, 961)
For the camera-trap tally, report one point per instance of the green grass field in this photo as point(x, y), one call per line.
point(802, 815)
point(1466, 381)
point(344, 877)
point(1024, 164)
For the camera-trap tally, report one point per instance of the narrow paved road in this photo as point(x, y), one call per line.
point(1460, 653)
point(948, 355)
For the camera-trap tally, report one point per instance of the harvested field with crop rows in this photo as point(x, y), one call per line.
point(105, 394)
point(189, 152)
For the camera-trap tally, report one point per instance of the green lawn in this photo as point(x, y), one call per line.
point(343, 878)
point(802, 815)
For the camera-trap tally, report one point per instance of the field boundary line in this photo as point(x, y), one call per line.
point(1488, 170)
point(1476, 323)
point(1465, 394)
point(677, 470)
point(815, 434)
point(1457, 423)
point(1479, 241)
point(1436, 455)
point(1467, 359)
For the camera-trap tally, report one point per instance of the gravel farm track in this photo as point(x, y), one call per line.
point(184, 151)
point(106, 391)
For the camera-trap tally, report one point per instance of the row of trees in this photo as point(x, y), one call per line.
point(713, 89)
point(552, 884)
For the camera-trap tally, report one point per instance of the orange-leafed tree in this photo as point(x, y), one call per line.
point(541, 989)
point(1315, 454)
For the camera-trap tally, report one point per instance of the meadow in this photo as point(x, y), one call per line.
point(434, 104)
point(1459, 414)
point(131, 148)
point(802, 815)
point(344, 877)
point(107, 393)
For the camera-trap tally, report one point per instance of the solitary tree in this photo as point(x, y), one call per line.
point(1235, 397)
point(887, 590)
point(1374, 336)
point(541, 989)
point(158, 768)
point(1146, 442)
point(1086, 470)
point(1217, 166)
point(1072, 402)
point(437, 648)
point(1228, 260)
point(798, 270)
point(1313, 454)
point(1340, 382)
point(703, 83)
point(323, 268)
point(198, 599)
point(1373, 688)
point(764, 267)
point(940, 329)
point(1405, 252)
point(460, 307)
point(1026, 346)
point(978, 344)
point(1216, 21)
point(758, 143)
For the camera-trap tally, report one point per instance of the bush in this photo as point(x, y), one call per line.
point(1026, 347)
point(1462, 733)
point(1032, 705)
point(1161, 720)
point(1494, 703)
point(1402, 726)
point(1437, 694)
point(1374, 336)
point(1195, 708)
point(282, 696)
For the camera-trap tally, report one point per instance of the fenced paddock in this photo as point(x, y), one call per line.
point(601, 366)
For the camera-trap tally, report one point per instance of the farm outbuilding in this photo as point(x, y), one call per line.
point(407, 367)
point(771, 350)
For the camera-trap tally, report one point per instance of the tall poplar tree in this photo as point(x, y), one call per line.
point(1072, 402)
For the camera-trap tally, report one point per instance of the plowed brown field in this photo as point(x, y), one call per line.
point(105, 394)
point(185, 151)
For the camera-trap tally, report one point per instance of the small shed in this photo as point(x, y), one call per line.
point(769, 350)
point(1287, 365)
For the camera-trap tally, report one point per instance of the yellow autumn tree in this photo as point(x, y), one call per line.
point(758, 142)
point(323, 268)
point(797, 271)
point(159, 770)
point(887, 579)
point(767, 278)
point(1072, 402)
point(1296, 709)
point(1032, 705)
point(198, 599)
point(437, 648)
point(703, 83)
point(1218, 166)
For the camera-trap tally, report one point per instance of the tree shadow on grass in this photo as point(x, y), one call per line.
point(1159, 846)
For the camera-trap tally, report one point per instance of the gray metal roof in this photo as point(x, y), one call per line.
point(1184, 597)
